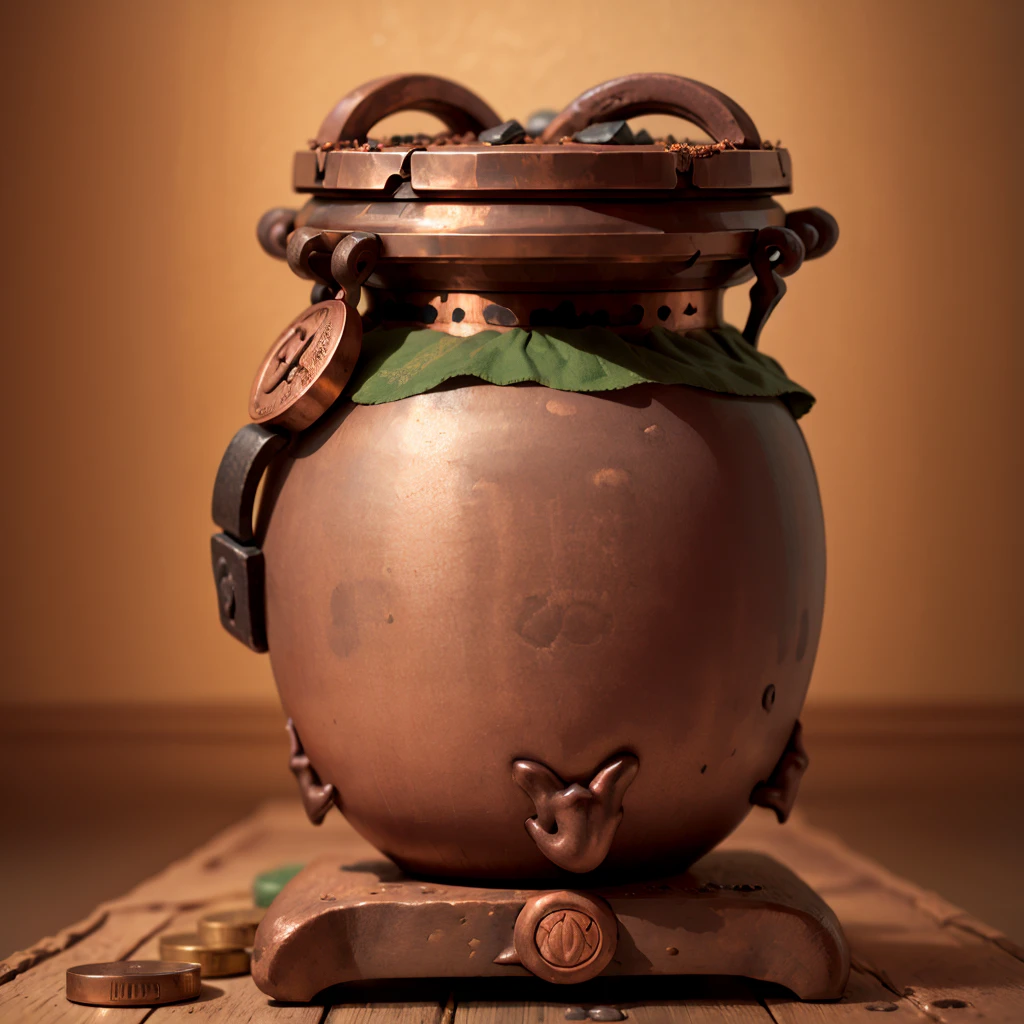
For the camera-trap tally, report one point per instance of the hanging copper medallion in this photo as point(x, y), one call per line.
point(307, 367)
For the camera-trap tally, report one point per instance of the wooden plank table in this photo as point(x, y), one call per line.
point(914, 954)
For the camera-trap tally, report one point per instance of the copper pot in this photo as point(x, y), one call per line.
point(479, 597)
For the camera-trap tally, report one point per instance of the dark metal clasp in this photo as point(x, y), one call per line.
point(777, 253)
point(238, 573)
point(237, 562)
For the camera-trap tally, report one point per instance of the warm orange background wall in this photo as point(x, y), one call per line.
point(143, 140)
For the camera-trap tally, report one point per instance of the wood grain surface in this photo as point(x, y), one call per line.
point(914, 953)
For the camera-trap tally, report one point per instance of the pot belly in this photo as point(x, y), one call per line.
point(481, 574)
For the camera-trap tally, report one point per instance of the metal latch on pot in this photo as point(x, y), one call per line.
point(237, 561)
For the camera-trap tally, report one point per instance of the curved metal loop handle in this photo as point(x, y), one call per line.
point(817, 228)
point(356, 113)
point(777, 253)
point(353, 261)
point(308, 253)
point(780, 250)
point(238, 568)
point(334, 258)
point(251, 450)
point(273, 230)
point(633, 95)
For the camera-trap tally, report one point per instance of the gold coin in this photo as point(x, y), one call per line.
point(132, 983)
point(230, 928)
point(213, 962)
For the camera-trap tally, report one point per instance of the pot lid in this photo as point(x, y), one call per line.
point(589, 148)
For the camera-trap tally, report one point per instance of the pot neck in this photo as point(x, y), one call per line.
point(466, 313)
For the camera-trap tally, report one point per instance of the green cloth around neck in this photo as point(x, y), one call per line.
point(399, 362)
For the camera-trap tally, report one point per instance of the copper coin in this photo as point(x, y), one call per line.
point(213, 962)
point(133, 983)
point(230, 928)
point(307, 367)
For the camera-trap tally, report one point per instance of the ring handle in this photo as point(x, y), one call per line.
point(356, 113)
point(777, 253)
point(633, 95)
point(238, 566)
point(248, 455)
point(817, 228)
point(273, 230)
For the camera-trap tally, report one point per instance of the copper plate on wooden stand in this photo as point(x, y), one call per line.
point(732, 913)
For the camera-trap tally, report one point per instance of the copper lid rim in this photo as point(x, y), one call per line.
point(457, 160)
point(556, 247)
point(561, 170)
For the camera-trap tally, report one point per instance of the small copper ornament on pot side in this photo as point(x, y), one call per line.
point(307, 367)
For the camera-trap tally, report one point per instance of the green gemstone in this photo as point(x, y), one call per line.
point(267, 885)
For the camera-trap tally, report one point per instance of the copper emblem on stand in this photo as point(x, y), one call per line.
point(566, 937)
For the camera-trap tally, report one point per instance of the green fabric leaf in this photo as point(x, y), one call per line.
point(403, 361)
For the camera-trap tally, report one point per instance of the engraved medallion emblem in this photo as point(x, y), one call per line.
point(567, 938)
point(564, 936)
point(307, 367)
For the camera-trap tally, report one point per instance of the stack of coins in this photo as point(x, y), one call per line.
point(221, 944)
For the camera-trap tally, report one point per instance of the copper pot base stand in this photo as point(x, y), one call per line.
point(733, 913)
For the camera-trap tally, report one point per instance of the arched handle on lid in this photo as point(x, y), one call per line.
point(633, 95)
point(356, 113)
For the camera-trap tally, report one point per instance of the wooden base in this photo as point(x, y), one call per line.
point(734, 913)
